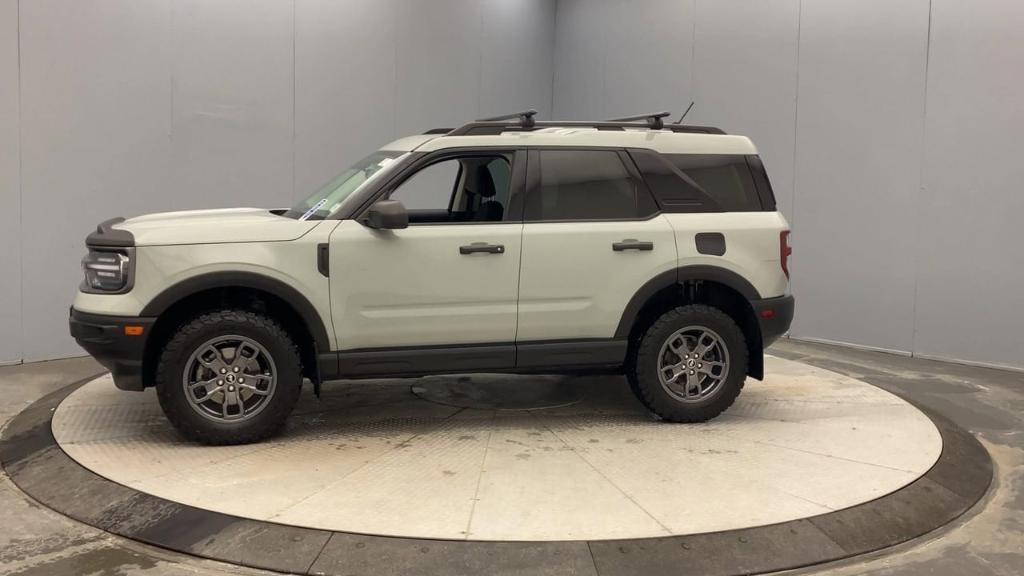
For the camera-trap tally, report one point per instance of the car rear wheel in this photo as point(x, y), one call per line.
point(690, 365)
point(229, 377)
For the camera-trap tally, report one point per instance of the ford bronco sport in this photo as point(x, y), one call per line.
point(507, 245)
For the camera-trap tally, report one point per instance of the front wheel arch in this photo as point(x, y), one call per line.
point(248, 291)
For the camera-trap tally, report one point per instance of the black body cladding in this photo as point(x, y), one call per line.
point(108, 236)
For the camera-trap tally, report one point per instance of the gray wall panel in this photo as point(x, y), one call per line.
point(95, 141)
point(438, 67)
point(135, 107)
point(517, 47)
point(622, 57)
point(344, 85)
point(904, 221)
point(858, 149)
point(971, 248)
point(579, 59)
point(231, 81)
point(745, 69)
point(10, 187)
point(648, 52)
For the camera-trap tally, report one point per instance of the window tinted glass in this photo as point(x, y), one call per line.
point(724, 178)
point(330, 196)
point(469, 189)
point(669, 186)
point(430, 188)
point(584, 185)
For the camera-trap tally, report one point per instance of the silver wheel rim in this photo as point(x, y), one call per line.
point(229, 378)
point(693, 364)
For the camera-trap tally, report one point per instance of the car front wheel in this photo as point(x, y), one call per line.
point(229, 377)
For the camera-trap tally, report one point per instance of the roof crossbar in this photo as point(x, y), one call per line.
point(525, 122)
point(653, 120)
point(525, 118)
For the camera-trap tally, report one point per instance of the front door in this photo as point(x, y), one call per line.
point(450, 279)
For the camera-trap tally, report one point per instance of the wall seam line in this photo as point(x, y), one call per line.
point(693, 55)
point(21, 198)
point(394, 73)
point(919, 193)
point(796, 123)
point(604, 57)
point(796, 109)
point(292, 196)
point(480, 59)
point(554, 56)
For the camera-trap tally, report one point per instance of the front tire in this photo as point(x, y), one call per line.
point(229, 377)
point(690, 365)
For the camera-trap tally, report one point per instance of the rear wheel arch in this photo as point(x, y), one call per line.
point(698, 284)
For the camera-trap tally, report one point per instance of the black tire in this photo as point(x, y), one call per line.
point(643, 368)
point(174, 360)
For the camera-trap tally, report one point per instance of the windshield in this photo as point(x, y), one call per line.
point(330, 196)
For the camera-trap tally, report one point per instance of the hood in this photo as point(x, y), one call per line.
point(213, 226)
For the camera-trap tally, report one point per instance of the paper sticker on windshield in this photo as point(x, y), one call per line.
point(314, 209)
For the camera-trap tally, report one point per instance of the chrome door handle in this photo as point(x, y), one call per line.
point(632, 244)
point(482, 247)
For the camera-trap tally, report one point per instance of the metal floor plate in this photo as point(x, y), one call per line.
point(371, 457)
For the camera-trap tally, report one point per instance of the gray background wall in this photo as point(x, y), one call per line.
point(130, 107)
point(888, 129)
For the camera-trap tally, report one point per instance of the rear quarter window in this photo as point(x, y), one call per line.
point(702, 182)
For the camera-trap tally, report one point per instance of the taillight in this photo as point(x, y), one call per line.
point(784, 251)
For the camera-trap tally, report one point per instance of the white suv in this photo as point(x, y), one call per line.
point(506, 245)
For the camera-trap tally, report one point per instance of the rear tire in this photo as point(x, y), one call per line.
point(690, 365)
point(229, 377)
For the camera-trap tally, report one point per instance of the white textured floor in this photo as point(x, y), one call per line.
point(373, 457)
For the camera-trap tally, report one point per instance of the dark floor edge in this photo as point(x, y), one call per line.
point(39, 467)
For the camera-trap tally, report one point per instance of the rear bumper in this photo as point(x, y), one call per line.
point(774, 315)
point(105, 339)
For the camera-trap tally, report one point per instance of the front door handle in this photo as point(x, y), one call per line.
point(482, 247)
point(632, 244)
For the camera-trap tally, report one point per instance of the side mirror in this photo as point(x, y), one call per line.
point(387, 215)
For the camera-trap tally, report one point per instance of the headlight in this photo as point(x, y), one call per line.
point(106, 271)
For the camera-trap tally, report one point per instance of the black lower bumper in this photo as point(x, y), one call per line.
point(774, 315)
point(116, 342)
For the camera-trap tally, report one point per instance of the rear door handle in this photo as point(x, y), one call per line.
point(482, 247)
point(632, 244)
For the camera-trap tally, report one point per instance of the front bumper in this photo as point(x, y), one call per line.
point(774, 315)
point(107, 340)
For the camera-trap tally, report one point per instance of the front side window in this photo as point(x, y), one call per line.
point(585, 185)
point(460, 189)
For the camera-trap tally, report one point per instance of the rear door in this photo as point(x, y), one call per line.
point(592, 236)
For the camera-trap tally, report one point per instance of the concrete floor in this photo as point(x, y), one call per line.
point(990, 540)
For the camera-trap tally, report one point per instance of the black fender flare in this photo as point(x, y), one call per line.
point(680, 276)
point(235, 279)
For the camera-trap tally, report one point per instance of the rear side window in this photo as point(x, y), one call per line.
point(700, 182)
point(584, 185)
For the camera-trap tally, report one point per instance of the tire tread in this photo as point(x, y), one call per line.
point(168, 375)
point(646, 354)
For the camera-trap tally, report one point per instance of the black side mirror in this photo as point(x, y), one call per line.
point(387, 215)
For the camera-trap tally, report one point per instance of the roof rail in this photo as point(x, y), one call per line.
point(653, 120)
point(438, 131)
point(524, 122)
